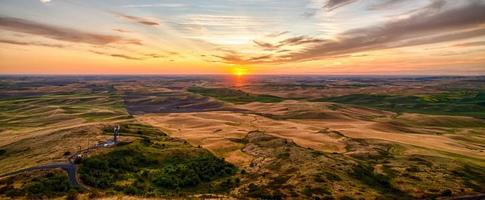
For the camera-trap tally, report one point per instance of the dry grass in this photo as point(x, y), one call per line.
point(214, 130)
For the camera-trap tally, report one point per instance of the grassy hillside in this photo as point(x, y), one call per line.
point(46, 185)
point(150, 168)
point(40, 130)
point(47, 109)
point(234, 96)
point(452, 103)
point(369, 169)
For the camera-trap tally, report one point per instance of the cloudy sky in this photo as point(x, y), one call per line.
point(403, 37)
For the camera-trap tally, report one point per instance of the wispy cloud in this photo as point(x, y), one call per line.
point(220, 29)
point(470, 44)
point(121, 30)
point(378, 5)
point(300, 40)
point(136, 55)
point(33, 43)
point(433, 7)
point(334, 4)
point(293, 41)
point(165, 5)
point(428, 25)
point(154, 55)
point(116, 55)
point(140, 20)
point(234, 58)
point(422, 27)
point(278, 34)
point(125, 56)
point(266, 45)
point(61, 33)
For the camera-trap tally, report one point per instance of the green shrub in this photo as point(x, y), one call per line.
point(192, 172)
point(2, 151)
point(50, 185)
point(447, 193)
point(228, 184)
point(346, 198)
point(332, 177)
point(153, 169)
point(366, 175)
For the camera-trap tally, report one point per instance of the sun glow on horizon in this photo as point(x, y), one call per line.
point(238, 71)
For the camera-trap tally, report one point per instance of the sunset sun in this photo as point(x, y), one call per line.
point(238, 71)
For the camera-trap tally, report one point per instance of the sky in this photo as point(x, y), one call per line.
point(334, 37)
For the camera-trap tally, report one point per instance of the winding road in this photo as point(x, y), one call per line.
point(70, 168)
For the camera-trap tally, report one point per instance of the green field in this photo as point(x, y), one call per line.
point(234, 96)
point(467, 103)
point(47, 109)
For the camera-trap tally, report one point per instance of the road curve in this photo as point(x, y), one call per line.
point(68, 167)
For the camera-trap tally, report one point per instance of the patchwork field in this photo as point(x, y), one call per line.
point(221, 132)
point(201, 137)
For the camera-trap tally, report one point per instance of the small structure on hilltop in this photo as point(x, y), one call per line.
point(116, 133)
point(114, 141)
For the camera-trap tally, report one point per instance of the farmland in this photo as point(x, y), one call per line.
point(203, 137)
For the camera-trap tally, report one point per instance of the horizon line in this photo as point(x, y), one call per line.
point(229, 74)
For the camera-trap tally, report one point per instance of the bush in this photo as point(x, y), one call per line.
point(97, 173)
point(332, 177)
point(346, 198)
point(228, 184)
point(132, 190)
point(447, 193)
point(366, 175)
point(200, 169)
point(284, 155)
point(50, 185)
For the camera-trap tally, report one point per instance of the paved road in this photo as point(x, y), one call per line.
point(68, 167)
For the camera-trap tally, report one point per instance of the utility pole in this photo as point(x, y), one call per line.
point(116, 133)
